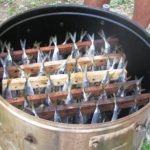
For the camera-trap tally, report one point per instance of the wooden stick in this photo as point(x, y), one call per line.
point(60, 79)
point(76, 93)
point(64, 49)
point(89, 107)
point(53, 66)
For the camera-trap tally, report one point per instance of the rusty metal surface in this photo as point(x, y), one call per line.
point(20, 131)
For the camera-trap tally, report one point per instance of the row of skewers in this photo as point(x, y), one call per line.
point(82, 68)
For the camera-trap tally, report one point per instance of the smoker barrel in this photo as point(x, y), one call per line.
point(22, 131)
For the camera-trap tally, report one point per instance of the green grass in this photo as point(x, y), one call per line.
point(146, 145)
point(115, 3)
point(5, 1)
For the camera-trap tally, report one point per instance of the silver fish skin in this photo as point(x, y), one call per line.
point(42, 67)
point(116, 110)
point(30, 104)
point(77, 67)
point(75, 51)
point(97, 116)
point(33, 109)
point(91, 50)
point(79, 119)
point(109, 63)
point(68, 83)
point(69, 99)
point(8, 58)
point(85, 95)
point(85, 82)
point(138, 85)
point(121, 92)
point(55, 55)
point(133, 109)
point(28, 88)
point(48, 55)
point(93, 65)
point(62, 67)
point(5, 73)
point(47, 101)
point(22, 73)
point(103, 95)
point(107, 47)
point(66, 39)
point(57, 117)
point(121, 63)
point(50, 86)
point(7, 92)
point(40, 54)
point(26, 103)
point(122, 76)
point(106, 79)
point(83, 34)
point(50, 41)
point(25, 59)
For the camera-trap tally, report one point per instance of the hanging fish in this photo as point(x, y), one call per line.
point(68, 82)
point(107, 48)
point(134, 107)
point(83, 34)
point(57, 117)
point(40, 54)
point(91, 50)
point(77, 67)
point(75, 51)
point(62, 67)
point(121, 63)
point(106, 79)
point(7, 93)
point(109, 63)
point(122, 76)
point(116, 110)
point(25, 58)
point(85, 95)
point(138, 85)
point(97, 115)
point(56, 54)
point(22, 73)
point(79, 119)
point(50, 86)
point(69, 99)
point(66, 38)
point(93, 66)
point(33, 109)
point(8, 58)
point(103, 94)
point(42, 67)
point(121, 91)
point(48, 55)
point(29, 104)
point(28, 88)
point(47, 101)
point(85, 82)
point(5, 73)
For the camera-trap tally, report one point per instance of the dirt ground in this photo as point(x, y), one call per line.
point(9, 8)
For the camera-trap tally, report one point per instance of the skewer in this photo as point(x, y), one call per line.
point(88, 107)
point(64, 49)
point(77, 93)
point(60, 79)
point(53, 66)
